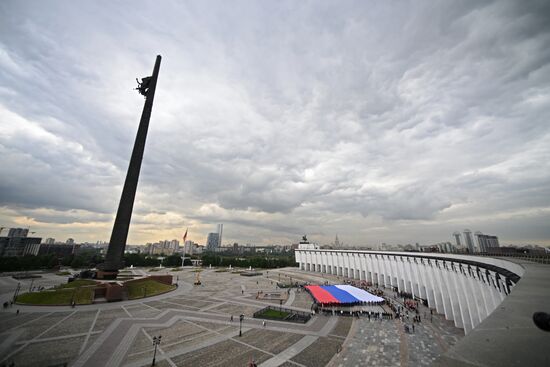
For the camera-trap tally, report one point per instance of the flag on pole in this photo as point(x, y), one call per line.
point(185, 235)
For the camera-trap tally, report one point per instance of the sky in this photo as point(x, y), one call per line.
point(377, 121)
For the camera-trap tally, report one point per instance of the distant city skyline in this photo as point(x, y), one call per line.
point(379, 122)
point(483, 242)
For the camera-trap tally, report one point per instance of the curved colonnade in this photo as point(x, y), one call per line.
point(466, 289)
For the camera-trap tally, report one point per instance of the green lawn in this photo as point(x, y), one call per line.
point(63, 296)
point(152, 288)
point(274, 314)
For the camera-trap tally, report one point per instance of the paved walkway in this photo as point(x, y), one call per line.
point(195, 322)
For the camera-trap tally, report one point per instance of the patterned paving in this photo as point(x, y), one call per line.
point(196, 328)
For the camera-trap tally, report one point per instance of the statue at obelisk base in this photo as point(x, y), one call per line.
point(114, 260)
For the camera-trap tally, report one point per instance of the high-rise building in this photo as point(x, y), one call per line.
point(469, 241)
point(49, 241)
point(19, 246)
point(457, 239)
point(486, 242)
point(212, 242)
point(175, 245)
point(188, 247)
point(220, 233)
point(18, 232)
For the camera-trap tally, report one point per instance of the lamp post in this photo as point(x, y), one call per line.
point(156, 342)
point(16, 292)
point(241, 318)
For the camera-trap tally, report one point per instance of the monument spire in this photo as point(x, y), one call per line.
point(114, 258)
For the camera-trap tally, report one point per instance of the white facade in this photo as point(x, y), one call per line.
point(466, 289)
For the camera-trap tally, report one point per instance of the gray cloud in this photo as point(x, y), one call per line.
point(351, 118)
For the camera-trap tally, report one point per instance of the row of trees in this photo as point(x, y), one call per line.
point(28, 262)
point(84, 259)
point(146, 260)
point(258, 262)
point(89, 259)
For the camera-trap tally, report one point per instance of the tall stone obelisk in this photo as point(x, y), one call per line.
point(114, 259)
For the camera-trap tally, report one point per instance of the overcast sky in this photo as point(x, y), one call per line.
point(379, 121)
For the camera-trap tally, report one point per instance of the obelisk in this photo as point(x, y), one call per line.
point(114, 258)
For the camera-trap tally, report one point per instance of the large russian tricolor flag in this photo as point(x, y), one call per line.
point(341, 294)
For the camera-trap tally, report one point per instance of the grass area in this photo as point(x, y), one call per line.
point(154, 269)
point(152, 288)
point(176, 269)
point(62, 296)
point(196, 270)
point(63, 273)
point(273, 314)
point(77, 283)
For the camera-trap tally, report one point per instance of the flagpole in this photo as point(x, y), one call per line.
point(184, 238)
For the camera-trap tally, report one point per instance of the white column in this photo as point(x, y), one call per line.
point(408, 276)
point(394, 273)
point(401, 274)
point(462, 299)
point(454, 297)
point(444, 289)
point(362, 267)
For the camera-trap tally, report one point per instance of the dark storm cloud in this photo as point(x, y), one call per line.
point(325, 117)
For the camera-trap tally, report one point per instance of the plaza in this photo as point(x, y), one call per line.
point(200, 325)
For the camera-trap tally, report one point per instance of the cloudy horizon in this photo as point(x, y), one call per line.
point(377, 121)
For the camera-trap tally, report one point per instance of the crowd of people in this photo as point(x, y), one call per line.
point(401, 306)
point(366, 303)
point(371, 315)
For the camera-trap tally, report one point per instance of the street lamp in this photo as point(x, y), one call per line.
point(241, 318)
point(156, 342)
point(16, 292)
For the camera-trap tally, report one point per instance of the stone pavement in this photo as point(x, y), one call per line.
point(385, 343)
point(196, 328)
